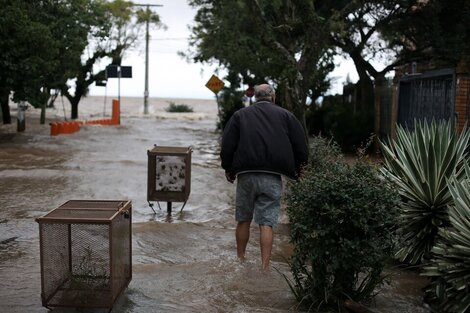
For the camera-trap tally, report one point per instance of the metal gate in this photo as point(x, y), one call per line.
point(426, 96)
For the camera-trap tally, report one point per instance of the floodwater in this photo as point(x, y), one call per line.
point(185, 262)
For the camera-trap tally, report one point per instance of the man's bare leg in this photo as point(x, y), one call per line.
point(266, 243)
point(242, 235)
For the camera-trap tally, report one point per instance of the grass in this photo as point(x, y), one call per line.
point(178, 108)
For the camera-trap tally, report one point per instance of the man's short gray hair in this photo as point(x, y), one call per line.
point(264, 92)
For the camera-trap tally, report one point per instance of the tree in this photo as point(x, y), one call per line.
point(70, 23)
point(358, 31)
point(117, 27)
point(45, 45)
point(43, 41)
point(283, 42)
point(397, 32)
point(358, 28)
point(27, 51)
point(435, 32)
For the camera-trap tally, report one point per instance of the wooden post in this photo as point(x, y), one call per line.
point(462, 92)
point(393, 119)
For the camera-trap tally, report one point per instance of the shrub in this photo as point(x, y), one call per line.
point(230, 102)
point(178, 108)
point(342, 220)
point(419, 163)
point(337, 119)
point(449, 266)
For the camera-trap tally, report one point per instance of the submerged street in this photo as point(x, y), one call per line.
point(185, 262)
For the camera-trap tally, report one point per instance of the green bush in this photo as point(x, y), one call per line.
point(449, 266)
point(178, 108)
point(314, 120)
point(342, 227)
point(230, 101)
point(337, 120)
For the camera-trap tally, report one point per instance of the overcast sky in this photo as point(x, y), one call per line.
point(171, 76)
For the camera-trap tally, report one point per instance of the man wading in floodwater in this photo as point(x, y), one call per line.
point(260, 143)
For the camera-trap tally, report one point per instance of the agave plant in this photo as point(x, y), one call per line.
point(450, 265)
point(419, 162)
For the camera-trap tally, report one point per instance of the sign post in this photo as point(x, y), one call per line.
point(215, 85)
point(118, 71)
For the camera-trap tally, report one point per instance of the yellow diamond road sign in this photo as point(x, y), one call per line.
point(215, 84)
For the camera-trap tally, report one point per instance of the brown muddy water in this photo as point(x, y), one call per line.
point(183, 263)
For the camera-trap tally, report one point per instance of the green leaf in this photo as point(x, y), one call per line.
point(420, 162)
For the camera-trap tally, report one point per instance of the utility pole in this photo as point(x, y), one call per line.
point(147, 40)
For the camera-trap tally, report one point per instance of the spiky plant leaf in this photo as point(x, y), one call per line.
point(420, 162)
point(450, 264)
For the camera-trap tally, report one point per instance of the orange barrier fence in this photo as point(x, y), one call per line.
point(70, 127)
point(116, 116)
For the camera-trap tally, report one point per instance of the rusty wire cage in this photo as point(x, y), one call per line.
point(85, 251)
point(169, 174)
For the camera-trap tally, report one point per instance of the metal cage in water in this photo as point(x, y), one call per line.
point(86, 253)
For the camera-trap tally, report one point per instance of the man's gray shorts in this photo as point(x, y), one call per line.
point(258, 194)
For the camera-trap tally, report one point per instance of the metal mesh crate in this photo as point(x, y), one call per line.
point(169, 174)
point(85, 250)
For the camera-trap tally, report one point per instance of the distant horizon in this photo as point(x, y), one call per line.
point(153, 97)
point(170, 74)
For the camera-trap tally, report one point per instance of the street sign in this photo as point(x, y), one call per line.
point(111, 71)
point(215, 84)
point(126, 71)
point(117, 71)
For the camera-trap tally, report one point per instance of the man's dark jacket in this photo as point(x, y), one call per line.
point(264, 137)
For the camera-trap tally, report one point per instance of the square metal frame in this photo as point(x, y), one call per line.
point(169, 196)
point(101, 228)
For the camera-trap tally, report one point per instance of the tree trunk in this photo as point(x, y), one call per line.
point(51, 101)
point(365, 83)
point(379, 84)
point(367, 95)
point(294, 104)
point(42, 119)
point(80, 91)
point(365, 105)
point(74, 107)
point(4, 100)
